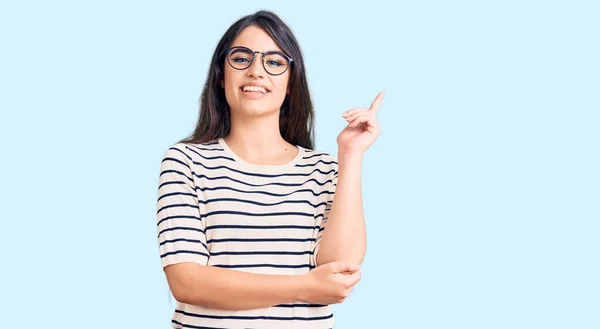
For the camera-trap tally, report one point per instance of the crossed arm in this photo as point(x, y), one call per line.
point(341, 252)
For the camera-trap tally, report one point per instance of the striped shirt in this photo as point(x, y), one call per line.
point(216, 209)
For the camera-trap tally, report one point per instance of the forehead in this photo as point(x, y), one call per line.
point(256, 39)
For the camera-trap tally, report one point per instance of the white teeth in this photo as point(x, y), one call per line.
point(254, 88)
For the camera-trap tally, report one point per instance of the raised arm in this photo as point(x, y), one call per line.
point(344, 237)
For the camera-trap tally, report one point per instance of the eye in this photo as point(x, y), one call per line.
point(240, 60)
point(273, 63)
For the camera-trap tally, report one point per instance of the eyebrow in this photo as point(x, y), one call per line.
point(268, 51)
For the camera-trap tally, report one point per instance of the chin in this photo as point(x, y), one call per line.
point(255, 110)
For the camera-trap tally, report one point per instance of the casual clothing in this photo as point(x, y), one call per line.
point(216, 209)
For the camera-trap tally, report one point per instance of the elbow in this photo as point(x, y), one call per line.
point(182, 285)
point(185, 297)
point(187, 289)
point(183, 293)
point(178, 288)
point(357, 259)
point(357, 256)
point(179, 295)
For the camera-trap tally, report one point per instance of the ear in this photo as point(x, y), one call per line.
point(222, 84)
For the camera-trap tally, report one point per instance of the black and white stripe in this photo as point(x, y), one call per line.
point(215, 210)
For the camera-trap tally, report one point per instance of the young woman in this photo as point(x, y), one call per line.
point(249, 233)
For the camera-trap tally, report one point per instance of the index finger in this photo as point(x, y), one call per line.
point(375, 105)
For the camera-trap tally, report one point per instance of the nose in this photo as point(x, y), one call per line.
point(256, 69)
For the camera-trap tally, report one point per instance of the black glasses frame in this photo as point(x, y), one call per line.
point(290, 60)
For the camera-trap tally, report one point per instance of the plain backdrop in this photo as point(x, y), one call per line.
point(481, 196)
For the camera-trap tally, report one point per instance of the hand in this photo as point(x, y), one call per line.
point(362, 129)
point(330, 283)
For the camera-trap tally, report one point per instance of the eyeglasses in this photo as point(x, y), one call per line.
point(274, 62)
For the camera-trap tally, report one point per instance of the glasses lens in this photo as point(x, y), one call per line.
point(240, 58)
point(276, 63)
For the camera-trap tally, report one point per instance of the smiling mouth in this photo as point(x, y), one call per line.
point(254, 90)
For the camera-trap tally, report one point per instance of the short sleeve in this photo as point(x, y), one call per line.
point(319, 235)
point(181, 230)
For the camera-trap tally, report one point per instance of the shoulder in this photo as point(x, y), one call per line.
point(320, 159)
point(179, 152)
point(318, 154)
point(190, 153)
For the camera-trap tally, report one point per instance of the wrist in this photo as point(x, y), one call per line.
point(302, 287)
point(349, 155)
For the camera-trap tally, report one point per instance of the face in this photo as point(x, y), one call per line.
point(249, 102)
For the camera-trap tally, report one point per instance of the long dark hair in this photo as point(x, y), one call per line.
point(296, 118)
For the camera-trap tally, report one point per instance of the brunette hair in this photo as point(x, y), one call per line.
point(296, 119)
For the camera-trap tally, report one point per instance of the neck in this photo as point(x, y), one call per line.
point(258, 139)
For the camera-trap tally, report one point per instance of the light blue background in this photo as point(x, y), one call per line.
point(482, 194)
